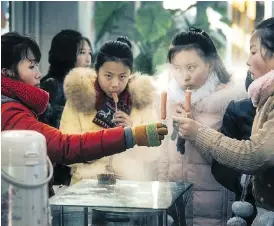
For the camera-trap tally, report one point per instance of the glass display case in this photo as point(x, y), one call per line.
point(123, 203)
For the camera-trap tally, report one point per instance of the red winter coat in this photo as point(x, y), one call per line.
point(20, 105)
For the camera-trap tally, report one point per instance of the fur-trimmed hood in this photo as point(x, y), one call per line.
point(213, 97)
point(261, 89)
point(80, 91)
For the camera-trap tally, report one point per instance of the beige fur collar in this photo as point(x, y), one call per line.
point(261, 89)
point(80, 92)
point(218, 101)
point(213, 98)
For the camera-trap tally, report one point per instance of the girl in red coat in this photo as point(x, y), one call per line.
point(22, 101)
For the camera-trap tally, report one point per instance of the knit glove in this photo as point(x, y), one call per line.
point(149, 135)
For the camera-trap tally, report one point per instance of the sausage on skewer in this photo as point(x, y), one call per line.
point(163, 105)
point(187, 105)
point(116, 100)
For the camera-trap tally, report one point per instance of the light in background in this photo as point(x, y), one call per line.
point(268, 10)
point(175, 4)
point(5, 17)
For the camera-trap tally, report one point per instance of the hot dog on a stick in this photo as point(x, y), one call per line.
point(115, 99)
point(163, 105)
point(187, 104)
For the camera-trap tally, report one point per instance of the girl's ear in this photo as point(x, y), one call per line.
point(131, 76)
point(210, 67)
point(8, 73)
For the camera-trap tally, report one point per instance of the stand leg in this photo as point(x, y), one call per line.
point(165, 218)
point(86, 216)
point(61, 222)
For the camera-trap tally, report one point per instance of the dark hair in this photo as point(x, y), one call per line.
point(265, 32)
point(14, 48)
point(199, 40)
point(248, 80)
point(124, 39)
point(63, 52)
point(118, 51)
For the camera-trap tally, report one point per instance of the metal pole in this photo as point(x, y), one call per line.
point(26, 18)
point(37, 22)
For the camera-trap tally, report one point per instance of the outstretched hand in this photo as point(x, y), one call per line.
point(161, 130)
point(188, 128)
point(149, 135)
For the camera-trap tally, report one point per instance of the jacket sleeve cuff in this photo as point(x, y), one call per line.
point(204, 139)
point(129, 138)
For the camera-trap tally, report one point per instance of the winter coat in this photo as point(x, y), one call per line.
point(237, 124)
point(53, 113)
point(138, 163)
point(211, 202)
point(255, 157)
point(21, 103)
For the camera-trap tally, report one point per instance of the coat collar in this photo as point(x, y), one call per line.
point(80, 91)
point(33, 97)
point(212, 97)
point(261, 89)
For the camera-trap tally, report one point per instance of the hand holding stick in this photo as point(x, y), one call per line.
point(187, 108)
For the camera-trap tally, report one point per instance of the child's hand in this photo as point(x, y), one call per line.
point(188, 128)
point(122, 119)
point(180, 112)
point(149, 135)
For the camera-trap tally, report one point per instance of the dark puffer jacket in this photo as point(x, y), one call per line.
point(237, 123)
point(238, 119)
point(57, 100)
point(52, 116)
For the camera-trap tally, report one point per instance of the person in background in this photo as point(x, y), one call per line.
point(22, 101)
point(196, 65)
point(254, 156)
point(69, 49)
point(90, 107)
point(237, 124)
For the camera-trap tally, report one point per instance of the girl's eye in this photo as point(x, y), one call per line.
point(253, 53)
point(191, 68)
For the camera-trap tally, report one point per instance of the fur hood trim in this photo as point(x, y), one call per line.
point(80, 91)
point(213, 98)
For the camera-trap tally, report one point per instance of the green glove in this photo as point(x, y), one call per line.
point(149, 135)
